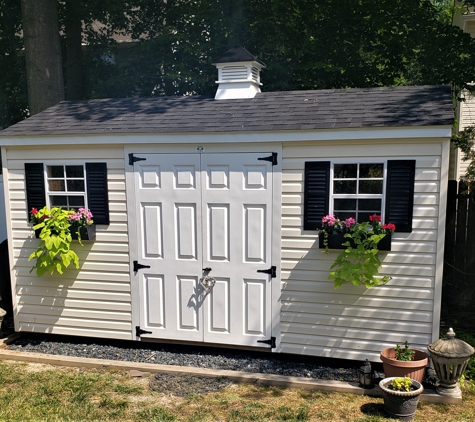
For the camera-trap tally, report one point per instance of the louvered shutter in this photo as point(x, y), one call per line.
point(97, 192)
point(35, 185)
point(400, 194)
point(316, 193)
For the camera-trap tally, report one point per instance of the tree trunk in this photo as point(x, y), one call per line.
point(73, 30)
point(42, 54)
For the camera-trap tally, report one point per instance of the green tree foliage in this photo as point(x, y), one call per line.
point(13, 96)
point(306, 44)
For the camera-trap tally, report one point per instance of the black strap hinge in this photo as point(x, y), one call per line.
point(270, 342)
point(138, 266)
point(271, 158)
point(272, 271)
point(133, 159)
point(139, 331)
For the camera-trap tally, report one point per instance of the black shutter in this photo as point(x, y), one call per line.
point(97, 192)
point(316, 194)
point(35, 185)
point(400, 194)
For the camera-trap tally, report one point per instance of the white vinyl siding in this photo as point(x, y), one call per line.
point(467, 118)
point(94, 300)
point(354, 322)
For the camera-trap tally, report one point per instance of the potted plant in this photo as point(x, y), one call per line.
point(358, 263)
point(401, 395)
point(402, 361)
point(82, 225)
point(53, 227)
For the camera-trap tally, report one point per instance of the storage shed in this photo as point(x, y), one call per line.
point(234, 188)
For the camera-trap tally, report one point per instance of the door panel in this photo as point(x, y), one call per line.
point(198, 211)
point(168, 206)
point(237, 195)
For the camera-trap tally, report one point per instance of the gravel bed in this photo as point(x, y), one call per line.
point(200, 357)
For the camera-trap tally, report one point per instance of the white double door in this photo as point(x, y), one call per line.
point(204, 215)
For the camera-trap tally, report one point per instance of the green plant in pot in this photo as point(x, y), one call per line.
point(54, 253)
point(403, 361)
point(358, 263)
point(401, 396)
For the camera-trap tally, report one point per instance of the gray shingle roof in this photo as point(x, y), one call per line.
point(236, 54)
point(268, 111)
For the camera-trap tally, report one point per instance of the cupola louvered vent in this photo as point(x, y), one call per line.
point(239, 74)
point(231, 73)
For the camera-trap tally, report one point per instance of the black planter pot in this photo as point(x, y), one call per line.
point(87, 232)
point(400, 404)
point(335, 242)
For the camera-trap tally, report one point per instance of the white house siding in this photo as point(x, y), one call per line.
point(94, 300)
point(354, 322)
point(466, 118)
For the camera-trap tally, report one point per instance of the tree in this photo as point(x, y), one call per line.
point(42, 53)
point(306, 44)
point(13, 96)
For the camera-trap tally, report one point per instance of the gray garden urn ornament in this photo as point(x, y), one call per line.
point(450, 357)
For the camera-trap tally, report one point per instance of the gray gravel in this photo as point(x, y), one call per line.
point(297, 366)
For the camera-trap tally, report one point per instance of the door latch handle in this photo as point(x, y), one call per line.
point(207, 269)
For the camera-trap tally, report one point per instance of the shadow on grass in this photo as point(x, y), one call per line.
point(374, 409)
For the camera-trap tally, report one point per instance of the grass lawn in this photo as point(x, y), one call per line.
point(35, 392)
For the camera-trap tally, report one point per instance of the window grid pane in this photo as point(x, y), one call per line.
point(66, 186)
point(357, 190)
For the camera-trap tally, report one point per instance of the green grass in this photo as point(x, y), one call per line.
point(33, 392)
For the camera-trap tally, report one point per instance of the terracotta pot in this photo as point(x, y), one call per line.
point(400, 404)
point(414, 369)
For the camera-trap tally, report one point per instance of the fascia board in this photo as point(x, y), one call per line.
point(232, 137)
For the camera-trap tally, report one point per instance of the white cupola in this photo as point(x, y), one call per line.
point(238, 74)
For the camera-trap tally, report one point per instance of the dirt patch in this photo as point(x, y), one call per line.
point(183, 385)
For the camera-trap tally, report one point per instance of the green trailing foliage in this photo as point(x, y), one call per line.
point(359, 262)
point(54, 252)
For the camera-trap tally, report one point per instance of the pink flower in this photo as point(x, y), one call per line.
point(349, 222)
point(34, 211)
point(329, 219)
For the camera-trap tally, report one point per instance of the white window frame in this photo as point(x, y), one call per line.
point(49, 193)
point(381, 196)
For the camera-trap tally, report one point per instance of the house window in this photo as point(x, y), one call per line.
point(66, 186)
point(69, 186)
point(357, 190)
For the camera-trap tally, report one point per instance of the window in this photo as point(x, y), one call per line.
point(359, 190)
point(68, 186)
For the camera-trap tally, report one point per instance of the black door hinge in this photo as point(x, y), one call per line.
point(139, 331)
point(271, 158)
point(271, 271)
point(270, 342)
point(133, 159)
point(138, 266)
